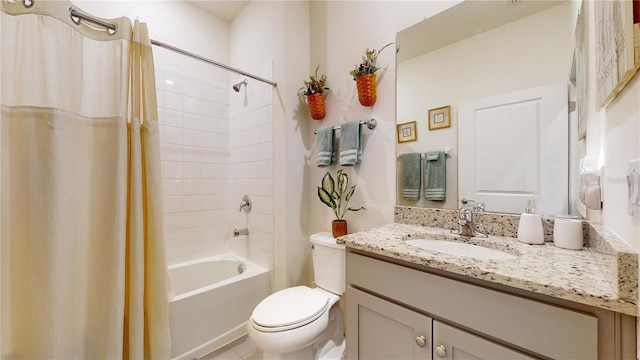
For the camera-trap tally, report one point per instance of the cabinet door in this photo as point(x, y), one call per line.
point(451, 343)
point(379, 329)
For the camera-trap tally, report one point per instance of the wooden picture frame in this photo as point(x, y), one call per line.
point(440, 118)
point(407, 132)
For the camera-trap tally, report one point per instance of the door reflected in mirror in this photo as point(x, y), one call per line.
point(486, 60)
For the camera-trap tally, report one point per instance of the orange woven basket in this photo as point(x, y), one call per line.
point(316, 106)
point(366, 85)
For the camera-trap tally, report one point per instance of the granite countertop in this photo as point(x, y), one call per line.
point(579, 276)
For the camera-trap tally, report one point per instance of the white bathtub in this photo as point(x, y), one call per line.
point(212, 302)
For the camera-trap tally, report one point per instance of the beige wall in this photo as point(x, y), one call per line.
point(340, 33)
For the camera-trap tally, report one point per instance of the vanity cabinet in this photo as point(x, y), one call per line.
point(394, 308)
point(389, 331)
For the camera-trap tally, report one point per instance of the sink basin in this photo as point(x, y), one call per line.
point(460, 249)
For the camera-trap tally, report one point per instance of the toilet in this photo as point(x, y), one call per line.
point(302, 322)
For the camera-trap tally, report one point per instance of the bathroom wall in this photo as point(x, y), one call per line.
point(177, 23)
point(278, 31)
point(195, 153)
point(251, 167)
point(340, 33)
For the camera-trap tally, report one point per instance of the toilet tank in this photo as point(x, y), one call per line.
point(328, 263)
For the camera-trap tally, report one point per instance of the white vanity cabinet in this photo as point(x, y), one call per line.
point(398, 311)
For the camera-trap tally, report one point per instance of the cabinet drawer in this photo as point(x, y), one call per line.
point(544, 329)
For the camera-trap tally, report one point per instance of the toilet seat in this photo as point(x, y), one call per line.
point(289, 309)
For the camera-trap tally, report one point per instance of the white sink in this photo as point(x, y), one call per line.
point(461, 249)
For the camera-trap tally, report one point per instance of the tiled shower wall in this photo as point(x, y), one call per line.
point(216, 145)
point(194, 138)
point(251, 146)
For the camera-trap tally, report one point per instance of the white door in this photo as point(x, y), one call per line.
point(513, 147)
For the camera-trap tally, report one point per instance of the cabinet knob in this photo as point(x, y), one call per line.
point(421, 340)
point(441, 351)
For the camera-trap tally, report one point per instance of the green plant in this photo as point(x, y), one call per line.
point(315, 84)
point(368, 65)
point(337, 197)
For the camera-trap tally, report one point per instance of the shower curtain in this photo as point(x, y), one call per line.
point(82, 264)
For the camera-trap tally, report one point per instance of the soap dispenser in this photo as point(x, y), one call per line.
point(530, 229)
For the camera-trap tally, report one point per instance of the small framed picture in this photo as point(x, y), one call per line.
point(407, 132)
point(440, 118)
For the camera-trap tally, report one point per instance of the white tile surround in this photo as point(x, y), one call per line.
point(216, 145)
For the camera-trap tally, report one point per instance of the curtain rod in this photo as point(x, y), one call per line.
point(212, 62)
point(77, 16)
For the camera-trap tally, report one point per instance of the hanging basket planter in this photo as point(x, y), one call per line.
point(365, 76)
point(314, 89)
point(316, 106)
point(366, 85)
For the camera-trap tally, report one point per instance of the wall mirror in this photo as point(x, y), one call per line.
point(501, 70)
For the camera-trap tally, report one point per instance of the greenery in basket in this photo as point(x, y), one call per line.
point(368, 65)
point(337, 197)
point(315, 84)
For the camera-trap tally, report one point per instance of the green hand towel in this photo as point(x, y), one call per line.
point(350, 144)
point(326, 155)
point(435, 184)
point(411, 176)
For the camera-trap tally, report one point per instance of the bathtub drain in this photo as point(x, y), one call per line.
point(241, 268)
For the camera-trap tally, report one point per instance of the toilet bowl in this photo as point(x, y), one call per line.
point(302, 322)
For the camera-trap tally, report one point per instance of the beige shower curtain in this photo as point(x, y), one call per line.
point(83, 268)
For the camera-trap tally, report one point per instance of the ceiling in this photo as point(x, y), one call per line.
point(224, 9)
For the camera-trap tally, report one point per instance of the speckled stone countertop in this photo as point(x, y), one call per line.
point(581, 276)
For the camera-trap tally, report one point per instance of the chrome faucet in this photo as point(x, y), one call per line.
point(238, 232)
point(245, 204)
point(466, 226)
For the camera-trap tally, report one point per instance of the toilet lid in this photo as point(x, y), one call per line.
point(290, 306)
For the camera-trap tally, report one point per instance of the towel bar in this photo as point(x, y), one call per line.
point(371, 124)
point(447, 153)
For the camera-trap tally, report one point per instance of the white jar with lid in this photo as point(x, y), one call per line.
point(567, 233)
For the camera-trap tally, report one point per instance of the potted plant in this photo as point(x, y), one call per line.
point(314, 89)
point(336, 196)
point(365, 76)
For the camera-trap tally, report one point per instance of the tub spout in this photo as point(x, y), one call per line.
point(238, 232)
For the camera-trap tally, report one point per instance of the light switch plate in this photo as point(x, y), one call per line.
point(633, 181)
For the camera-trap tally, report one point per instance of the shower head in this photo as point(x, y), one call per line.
point(236, 87)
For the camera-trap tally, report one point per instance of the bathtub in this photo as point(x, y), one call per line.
point(213, 302)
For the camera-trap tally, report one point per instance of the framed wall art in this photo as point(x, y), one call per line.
point(407, 132)
point(615, 60)
point(440, 118)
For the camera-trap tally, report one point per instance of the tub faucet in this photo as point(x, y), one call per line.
point(466, 226)
point(238, 232)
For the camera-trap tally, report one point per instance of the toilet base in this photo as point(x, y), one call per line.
point(330, 346)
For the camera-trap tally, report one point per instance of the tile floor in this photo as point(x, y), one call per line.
point(240, 349)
